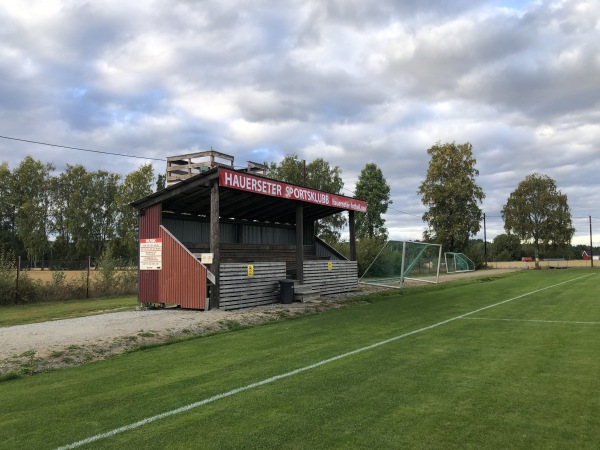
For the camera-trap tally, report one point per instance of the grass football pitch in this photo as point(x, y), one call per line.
point(509, 362)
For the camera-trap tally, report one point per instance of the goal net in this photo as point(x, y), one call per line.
point(398, 261)
point(458, 262)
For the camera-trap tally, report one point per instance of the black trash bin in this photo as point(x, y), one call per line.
point(287, 291)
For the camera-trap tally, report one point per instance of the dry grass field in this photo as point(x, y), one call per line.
point(70, 275)
point(543, 264)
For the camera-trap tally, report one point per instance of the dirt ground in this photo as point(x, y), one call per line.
point(32, 348)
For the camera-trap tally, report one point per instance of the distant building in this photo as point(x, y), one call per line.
point(587, 257)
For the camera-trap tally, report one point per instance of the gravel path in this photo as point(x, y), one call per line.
point(55, 335)
point(60, 343)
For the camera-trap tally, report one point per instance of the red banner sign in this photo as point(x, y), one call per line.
point(249, 183)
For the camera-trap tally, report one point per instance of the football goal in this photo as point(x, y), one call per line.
point(399, 261)
point(458, 262)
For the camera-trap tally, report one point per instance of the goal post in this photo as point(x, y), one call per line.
point(458, 262)
point(421, 262)
point(398, 261)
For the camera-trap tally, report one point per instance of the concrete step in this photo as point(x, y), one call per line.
point(304, 293)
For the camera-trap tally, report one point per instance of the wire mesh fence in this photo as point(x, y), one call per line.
point(31, 281)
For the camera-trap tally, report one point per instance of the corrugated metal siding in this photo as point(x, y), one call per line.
point(323, 252)
point(148, 279)
point(183, 278)
point(197, 231)
point(227, 233)
point(264, 234)
point(309, 233)
point(187, 230)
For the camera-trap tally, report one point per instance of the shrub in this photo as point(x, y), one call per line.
point(504, 256)
point(7, 279)
point(115, 276)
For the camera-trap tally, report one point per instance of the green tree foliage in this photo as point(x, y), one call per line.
point(451, 195)
point(103, 208)
point(72, 223)
point(9, 242)
point(290, 169)
point(475, 251)
point(136, 185)
point(161, 182)
point(318, 175)
point(373, 188)
point(71, 215)
point(538, 212)
point(386, 263)
point(83, 211)
point(506, 247)
point(368, 256)
point(29, 187)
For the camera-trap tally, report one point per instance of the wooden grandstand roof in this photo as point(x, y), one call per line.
point(192, 196)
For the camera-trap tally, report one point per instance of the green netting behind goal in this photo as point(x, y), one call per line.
point(398, 261)
point(458, 262)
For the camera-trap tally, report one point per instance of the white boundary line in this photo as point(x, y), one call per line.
point(214, 398)
point(534, 320)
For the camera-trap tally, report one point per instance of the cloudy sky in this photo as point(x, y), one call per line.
point(351, 81)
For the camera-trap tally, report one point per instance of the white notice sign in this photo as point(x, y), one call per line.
point(207, 258)
point(151, 254)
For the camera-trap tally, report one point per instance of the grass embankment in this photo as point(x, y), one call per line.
point(522, 374)
point(41, 312)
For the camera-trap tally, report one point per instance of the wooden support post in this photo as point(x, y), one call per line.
point(214, 243)
point(300, 243)
point(352, 225)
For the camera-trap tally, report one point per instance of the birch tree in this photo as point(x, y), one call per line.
point(452, 196)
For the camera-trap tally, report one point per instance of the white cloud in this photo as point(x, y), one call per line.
point(350, 81)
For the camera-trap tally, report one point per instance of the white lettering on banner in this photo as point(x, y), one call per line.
point(244, 182)
point(228, 177)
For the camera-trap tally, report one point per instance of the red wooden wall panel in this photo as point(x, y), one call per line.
point(182, 280)
point(148, 279)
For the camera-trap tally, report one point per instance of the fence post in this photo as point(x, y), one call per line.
point(87, 288)
point(17, 281)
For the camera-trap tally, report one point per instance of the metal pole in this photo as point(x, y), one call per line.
point(591, 245)
point(303, 172)
point(352, 239)
point(437, 278)
point(17, 282)
point(87, 288)
point(402, 265)
point(484, 243)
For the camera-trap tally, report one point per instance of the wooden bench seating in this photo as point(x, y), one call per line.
point(249, 253)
